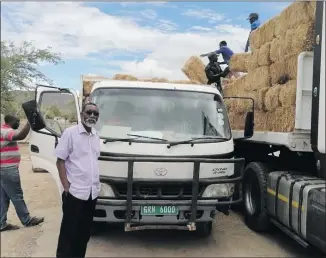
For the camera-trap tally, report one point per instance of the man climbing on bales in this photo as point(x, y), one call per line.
point(254, 24)
point(214, 72)
point(226, 53)
point(224, 50)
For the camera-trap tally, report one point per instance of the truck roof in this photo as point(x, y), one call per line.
point(155, 85)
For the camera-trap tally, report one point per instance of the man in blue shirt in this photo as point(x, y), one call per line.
point(224, 50)
point(254, 24)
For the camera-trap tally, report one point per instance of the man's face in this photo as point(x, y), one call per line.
point(15, 124)
point(90, 115)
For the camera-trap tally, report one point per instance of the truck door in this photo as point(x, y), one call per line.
point(60, 109)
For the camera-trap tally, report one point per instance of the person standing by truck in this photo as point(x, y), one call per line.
point(254, 24)
point(77, 161)
point(10, 179)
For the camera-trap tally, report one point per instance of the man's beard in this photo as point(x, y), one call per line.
point(90, 122)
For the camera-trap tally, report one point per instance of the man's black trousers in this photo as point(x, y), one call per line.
point(76, 226)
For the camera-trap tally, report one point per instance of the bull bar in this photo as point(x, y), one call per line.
point(236, 178)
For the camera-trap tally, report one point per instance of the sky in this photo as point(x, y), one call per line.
point(144, 39)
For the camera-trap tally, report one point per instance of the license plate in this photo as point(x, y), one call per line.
point(152, 210)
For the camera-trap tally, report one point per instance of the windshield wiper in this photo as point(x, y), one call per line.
point(130, 139)
point(197, 138)
point(117, 140)
point(147, 137)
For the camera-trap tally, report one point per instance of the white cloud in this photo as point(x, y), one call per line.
point(77, 31)
point(205, 14)
point(200, 28)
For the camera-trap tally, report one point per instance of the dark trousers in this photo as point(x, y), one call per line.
point(76, 226)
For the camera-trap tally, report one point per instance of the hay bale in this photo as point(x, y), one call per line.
point(262, 35)
point(288, 94)
point(279, 120)
point(272, 100)
point(184, 82)
point(252, 61)
point(293, 16)
point(276, 50)
point(264, 55)
point(258, 78)
point(124, 77)
point(87, 87)
point(285, 67)
point(238, 62)
point(194, 69)
point(234, 88)
point(261, 98)
point(311, 10)
point(155, 79)
point(282, 119)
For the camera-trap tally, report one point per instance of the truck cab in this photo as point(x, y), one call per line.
point(166, 153)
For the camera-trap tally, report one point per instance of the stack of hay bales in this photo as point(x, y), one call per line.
point(272, 70)
point(88, 83)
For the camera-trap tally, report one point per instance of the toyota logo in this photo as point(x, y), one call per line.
point(161, 171)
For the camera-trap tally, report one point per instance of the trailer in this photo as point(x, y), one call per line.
point(285, 173)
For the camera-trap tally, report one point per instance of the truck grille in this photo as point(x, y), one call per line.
point(168, 191)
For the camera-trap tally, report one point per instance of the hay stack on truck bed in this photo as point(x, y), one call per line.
point(287, 83)
point(167, 163)
point(166, 158)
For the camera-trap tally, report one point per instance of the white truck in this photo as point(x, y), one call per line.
point(167, 153)
point(288, 190)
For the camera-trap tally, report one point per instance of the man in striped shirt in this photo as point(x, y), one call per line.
point(10, 180)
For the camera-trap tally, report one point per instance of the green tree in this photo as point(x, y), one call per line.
point(51, 112)
point(19, 69)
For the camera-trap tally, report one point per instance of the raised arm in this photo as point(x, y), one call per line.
point(13, 135)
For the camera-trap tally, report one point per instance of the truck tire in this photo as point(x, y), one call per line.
point(204, 229)
point(254, 194)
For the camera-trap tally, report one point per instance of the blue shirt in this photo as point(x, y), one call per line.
point(255, 25)
point(226, 53)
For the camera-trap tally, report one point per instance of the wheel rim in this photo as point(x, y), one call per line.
point(252, 195)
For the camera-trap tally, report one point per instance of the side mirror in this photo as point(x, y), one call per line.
point(249, 125)
point(33, 115)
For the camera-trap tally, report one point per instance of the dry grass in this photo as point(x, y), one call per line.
point(276, 49)
point(238, 62)
point(258, 78)
point(279, 120)
point(261, 98)
point(124, 77)
point(87, 87)
point(293, 16)
point(264, 34)
point(194, 69)
point(287, 66)
point(272, 101)
point(252, 61)
point(287, 95)
point(264, 55)
point(184, 82)
point(235, 87)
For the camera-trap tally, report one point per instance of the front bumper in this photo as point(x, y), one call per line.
point(191, 209)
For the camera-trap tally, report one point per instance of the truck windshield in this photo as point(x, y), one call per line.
point(160, 115)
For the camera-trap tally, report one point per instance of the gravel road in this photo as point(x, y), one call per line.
point(231, 238)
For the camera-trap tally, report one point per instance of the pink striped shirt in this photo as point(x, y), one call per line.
point(9, 149)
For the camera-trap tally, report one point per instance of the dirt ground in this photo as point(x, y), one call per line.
point(231, 238)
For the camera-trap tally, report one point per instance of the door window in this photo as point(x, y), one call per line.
point(59, 110)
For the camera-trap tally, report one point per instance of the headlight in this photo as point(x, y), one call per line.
point(106, 191)
point(219, 190)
